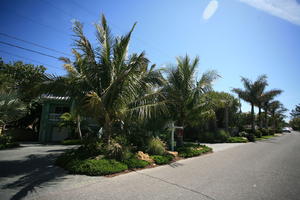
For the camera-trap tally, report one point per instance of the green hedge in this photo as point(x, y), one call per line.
point(237, 140)
point(191, 150)
point(161, 160)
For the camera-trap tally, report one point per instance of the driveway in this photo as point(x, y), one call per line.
point(266, 169)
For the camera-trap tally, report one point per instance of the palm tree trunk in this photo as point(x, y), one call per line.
point(252, 118)
point(260, 117)
point(266, 117)
point(226, 119)
point(78, 127)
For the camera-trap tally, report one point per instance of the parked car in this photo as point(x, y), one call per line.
point(287, 129)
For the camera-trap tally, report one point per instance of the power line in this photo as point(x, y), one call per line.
point(34, 51)
point(139, 39)
point(41, 24)
point(30, 59)
point(32, 43)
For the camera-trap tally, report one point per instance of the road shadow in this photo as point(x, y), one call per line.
point(35, 171)
point(175, 164)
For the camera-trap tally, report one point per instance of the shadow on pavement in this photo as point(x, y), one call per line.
point(35, 171)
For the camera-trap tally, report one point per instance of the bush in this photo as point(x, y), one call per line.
point(258, 133)
point(218, 136)
point(278, 130)
point(251, 137)
point(116, 151)
point(190, 150)
point(7, 142)
point(136, 163)
point(221, 136)
point(161, 160)
point(71, 142)
point(237, 140)
point(243, 134)
point(95, 167)
point(271, 131)
point(264, 131)
point(156, 147)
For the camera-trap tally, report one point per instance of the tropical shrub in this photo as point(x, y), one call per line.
point(258, 133)
point(243, 134)
point(251, 137)
point(264, 131)
point(162, 159)
point(237, 140)
point(136, 163)
point(115, 150)
point(156, 147)
point(221, 136)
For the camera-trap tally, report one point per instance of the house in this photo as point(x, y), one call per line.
point(53, 108)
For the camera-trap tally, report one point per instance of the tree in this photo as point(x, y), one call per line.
point(108, 83)
point(277, 113)
point(251, 93)
point(265, 101)
point(296, 112)
point(11, 109)
point(223, 104)
point(183, 91)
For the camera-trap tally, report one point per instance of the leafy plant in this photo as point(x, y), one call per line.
point(162, 159)
point(136, 163)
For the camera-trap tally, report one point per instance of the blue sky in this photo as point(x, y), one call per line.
point(235, 37)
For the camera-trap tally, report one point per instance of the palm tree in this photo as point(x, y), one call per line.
point(277, 111)
point(108, 83)
point(251, 93)
point(265, 101)
point(183, 91)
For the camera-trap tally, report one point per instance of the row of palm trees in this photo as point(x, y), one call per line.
point(255, 93)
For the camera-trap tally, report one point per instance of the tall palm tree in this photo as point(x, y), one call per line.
point(251, 93)
point(108, 83)
point(265, 100)
point(183, 91)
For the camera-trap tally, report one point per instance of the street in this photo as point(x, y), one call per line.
point(267, 169)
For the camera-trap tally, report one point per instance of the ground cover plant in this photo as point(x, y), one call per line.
point(237, 140)
point(191, 150)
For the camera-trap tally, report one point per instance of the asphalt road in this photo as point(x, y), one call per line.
point(268, 169)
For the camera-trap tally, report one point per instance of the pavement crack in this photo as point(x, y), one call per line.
point(177, 185)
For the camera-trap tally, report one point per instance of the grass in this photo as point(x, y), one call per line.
point(237, 140)
point(192, 150)
point(266, 137)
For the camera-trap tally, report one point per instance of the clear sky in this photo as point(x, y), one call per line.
point(235, 37)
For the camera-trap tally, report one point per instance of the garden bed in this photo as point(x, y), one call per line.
point(77, 162)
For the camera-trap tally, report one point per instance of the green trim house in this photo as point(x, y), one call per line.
point(53, 108)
